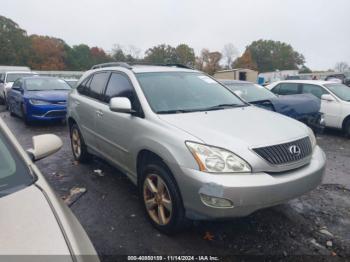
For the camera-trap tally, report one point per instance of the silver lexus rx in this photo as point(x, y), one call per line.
point(194, 149)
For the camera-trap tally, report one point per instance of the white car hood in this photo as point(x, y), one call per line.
point(28, 225)
point(239, 128)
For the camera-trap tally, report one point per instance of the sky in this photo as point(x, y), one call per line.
point(319, 29)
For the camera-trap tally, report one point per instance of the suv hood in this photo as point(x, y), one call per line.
point(238, 128)
point(28, 225)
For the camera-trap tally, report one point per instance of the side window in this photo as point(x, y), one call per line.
point(276, 89)
point(98, 84)
point(17, 84)
point(289, 89)
point(314, 90)
point(119, 86)
point(83, 87)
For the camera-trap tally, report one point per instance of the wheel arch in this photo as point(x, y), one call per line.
point(346, 120)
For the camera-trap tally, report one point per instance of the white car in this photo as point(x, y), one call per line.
point(33, 220)
point(335, 99)
point(8, 78)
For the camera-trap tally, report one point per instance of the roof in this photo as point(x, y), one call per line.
point(19, 72)
point(317, 82)
point(229, 81)
point(233, 70)
point(148, 69)
point(39, 77)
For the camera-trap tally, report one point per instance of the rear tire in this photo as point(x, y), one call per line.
point(164, 207)
point(78, 145)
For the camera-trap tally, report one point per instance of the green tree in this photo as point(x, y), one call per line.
point(15, 47)
point(185, 55)
point(79, 58)
point(305, 70)
point(161, 54)
point(275, 55)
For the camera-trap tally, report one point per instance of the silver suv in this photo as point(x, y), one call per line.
point(194, 149)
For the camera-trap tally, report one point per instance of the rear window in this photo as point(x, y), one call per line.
point(287, 89)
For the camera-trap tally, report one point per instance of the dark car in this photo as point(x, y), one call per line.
point(344, 78)
point(39, 98)
point(304, 108)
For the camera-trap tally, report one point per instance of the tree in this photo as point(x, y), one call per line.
point(305, 70)
point(274, 55)
point(208, 61)
point(15, 47)
point(48, 53)
point(229, 53)
point(245, 61)
point(341, 67)
point(98, 56)
point(79, 57)
point(161, 54)
point(185, 55)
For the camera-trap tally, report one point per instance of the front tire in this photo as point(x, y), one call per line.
point(24, 115)
point(78, 145)
point(161, 198)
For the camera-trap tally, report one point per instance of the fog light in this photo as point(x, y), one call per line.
point(216, 201)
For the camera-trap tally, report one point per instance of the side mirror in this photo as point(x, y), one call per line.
point(44, 146)
point(327, 97)
point(121, 105)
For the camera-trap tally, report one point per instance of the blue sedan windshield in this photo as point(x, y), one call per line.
point(46, 84)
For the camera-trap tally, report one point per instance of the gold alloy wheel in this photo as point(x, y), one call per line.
point(76, 142)
point(157, 199)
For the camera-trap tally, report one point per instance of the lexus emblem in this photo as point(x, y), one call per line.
point(295, 150)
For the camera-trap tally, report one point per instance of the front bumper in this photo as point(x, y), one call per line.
point(46, 112)
point(247, 192)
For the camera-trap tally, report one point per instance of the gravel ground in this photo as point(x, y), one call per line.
point(316, 224)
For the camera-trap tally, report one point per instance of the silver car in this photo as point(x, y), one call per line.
point(194, 149)
point(33, 220)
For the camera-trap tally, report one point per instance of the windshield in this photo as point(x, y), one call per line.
point(250, 92)
point(14, 174)
point(11, 77)
point(340, 90)
point(173, 92)
point(46, 84)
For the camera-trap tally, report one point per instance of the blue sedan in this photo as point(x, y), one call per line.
point(39, 98)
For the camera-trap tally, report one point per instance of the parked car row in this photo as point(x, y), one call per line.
point(334, 97)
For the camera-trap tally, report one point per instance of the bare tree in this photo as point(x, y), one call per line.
point(342, 67)
point(229, 54)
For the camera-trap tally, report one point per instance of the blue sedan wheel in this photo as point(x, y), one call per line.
point(24, 115)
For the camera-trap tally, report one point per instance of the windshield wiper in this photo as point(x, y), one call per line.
point(222, 106)
point(177, 111)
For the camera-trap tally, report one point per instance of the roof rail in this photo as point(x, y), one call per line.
point(121, 64)
point(178, 65)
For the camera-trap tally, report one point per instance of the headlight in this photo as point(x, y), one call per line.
point(39, 102)
point(217, 160)
point(312, 138)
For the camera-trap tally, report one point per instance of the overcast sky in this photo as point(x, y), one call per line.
point(319, 29)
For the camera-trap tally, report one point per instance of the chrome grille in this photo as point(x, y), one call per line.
point(284, 153)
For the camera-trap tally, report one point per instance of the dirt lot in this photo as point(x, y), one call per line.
point(315, 224)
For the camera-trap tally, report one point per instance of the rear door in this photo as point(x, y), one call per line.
point(87, 104)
